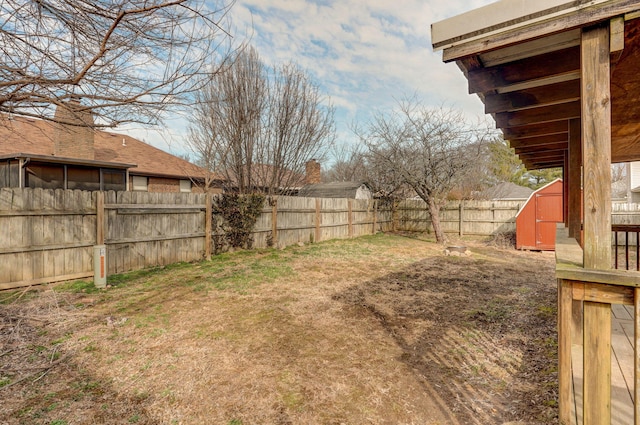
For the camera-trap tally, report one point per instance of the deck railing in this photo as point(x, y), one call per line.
point(626, 236)
point(585, 297)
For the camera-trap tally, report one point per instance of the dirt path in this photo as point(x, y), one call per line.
point(377, 330)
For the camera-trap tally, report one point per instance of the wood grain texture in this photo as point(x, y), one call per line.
point(597, 364)
point(596, 148)
point(564, 351)
point(575, 179)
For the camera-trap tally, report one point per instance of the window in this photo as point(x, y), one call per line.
point(82, 178)
point(185, 186)
point(44, 176)
point(9, 174)
point(140, 183)
point(113, 180)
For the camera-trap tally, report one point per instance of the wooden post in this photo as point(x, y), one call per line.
point(596, 152)
point(274, 221)
point(565, 189)
point(208, 224)
point(461, 219)
point(636, 355)
point(597, 364)
point(350, 217)
point(575, 186)
point(394, 216)
point(375, 215)
point(565, 302)
point(318, 219)
point(100, 218)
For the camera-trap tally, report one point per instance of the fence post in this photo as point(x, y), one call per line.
point(461, 218)
point(375, 215)
point(350, 217)
point(208, 219)
point(394, 216)
point(274, 221)
point(318, 219)
point(100, 218)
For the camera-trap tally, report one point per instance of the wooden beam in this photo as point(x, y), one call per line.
point(597, 364)
point(551, 147)
point(564, 350)
point(536, 130)
point(603, 293)
point(493, 41)
point(542, 66)
point(575, 186)
point(544, 114)
point(537, 96)
point(596, 150)
point(616, 38)
point(565, 188)
point(541, 165)
point(554, 155)
point(636, 356)
point(534, 47)
point(539, 140)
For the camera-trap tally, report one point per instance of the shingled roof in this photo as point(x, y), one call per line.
point(504, 191)
point(350, 190)
point(22, 136)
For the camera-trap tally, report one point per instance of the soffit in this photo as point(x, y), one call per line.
point(531, 86)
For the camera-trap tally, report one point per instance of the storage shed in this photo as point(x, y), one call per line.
point(536, 221)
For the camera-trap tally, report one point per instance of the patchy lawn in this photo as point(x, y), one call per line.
point(375, 330)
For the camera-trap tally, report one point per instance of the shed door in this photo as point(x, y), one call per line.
point(548, 213)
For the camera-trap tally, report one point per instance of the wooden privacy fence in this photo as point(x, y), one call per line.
point(48, 235)
point(479, 218)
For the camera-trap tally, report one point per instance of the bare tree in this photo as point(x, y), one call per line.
point(258, 126)
point(129, 60)
point(227, 119)
point(432, 150)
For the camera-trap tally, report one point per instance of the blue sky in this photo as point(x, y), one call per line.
point(364, 55)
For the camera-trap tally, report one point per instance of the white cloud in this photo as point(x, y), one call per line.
point(363, 54)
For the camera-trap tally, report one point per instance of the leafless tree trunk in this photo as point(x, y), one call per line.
point(259, 126)
point(129, 60)
point(431, 149)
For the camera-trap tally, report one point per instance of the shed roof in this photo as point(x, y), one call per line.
point(522, 59)
point(506, 190)
point(331, 190)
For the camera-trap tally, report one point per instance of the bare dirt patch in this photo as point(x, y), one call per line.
point(376, 330)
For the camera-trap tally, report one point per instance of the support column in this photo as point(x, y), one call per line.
point(596, 159)
point(575, 180)
point(596, 147)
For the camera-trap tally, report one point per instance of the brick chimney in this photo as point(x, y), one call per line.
point(74, 132)
point(312, 172)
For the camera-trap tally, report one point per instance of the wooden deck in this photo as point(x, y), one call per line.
point(621, 368)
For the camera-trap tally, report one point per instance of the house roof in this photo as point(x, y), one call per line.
point(523, 59)
point(506, 190)
point(22, 136)
point(331, 190)
point(261, 175)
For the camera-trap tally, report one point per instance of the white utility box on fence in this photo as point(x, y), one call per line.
point(100, 266)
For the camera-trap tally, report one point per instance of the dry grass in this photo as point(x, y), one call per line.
point(376, 330)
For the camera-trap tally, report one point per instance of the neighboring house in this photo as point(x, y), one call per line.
point(291, 182)
point(41, 154)
point(350, 190)
point(505, 191)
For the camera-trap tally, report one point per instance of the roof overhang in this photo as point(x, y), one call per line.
point(70, 161)
point(522, 59)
